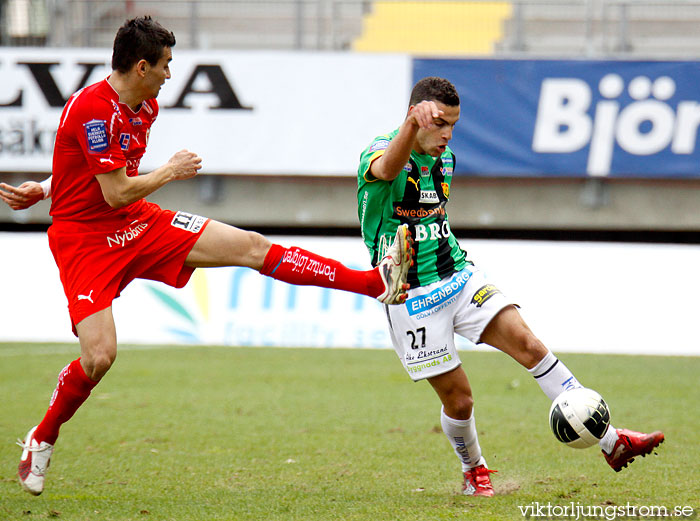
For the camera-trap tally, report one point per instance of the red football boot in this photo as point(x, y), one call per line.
point(477, 482)
point(631, 444)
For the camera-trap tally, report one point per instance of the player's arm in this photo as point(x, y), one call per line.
point(121, 190)
point(389, 165)
point(25, 195)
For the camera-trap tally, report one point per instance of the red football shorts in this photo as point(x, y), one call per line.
point(96, 262)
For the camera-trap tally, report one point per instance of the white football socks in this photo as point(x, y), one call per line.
point(607, 442)
point(463, 438)
point(554, 378)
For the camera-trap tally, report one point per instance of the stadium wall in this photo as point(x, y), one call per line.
point(281, 126)
point(577, 297)
point(273, 113)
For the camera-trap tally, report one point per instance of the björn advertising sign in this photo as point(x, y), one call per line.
point(574, 118)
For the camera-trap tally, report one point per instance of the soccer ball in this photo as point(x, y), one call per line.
point(579, 417)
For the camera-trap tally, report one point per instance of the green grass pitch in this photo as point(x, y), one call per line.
point(212, 433)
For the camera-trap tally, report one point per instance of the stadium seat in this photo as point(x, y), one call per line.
point(448, 28)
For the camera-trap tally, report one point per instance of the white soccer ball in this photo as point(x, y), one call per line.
point(579, 417)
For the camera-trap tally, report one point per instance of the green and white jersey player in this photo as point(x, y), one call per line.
point(404, 177)
point(417, 197)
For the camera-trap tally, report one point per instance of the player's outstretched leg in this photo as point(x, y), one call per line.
point(619, 446)
point(387, 282)
point(629, 445)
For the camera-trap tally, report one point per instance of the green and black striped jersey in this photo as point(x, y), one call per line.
point(417, 197)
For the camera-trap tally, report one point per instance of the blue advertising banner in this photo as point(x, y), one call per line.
point(574, 117)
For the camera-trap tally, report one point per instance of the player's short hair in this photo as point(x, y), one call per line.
point(140, 38)
point(433, 88)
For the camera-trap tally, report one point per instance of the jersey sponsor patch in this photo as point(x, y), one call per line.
point(483, 294)
point(124, 140)
point(189, 222)
point(435, 300)
point(428, 196)
point(424, 171)
point(381, 144)
point(96, 135)
point(445, 189)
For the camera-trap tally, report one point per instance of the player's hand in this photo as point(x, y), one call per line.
point(185, 164)
point(424, 113)
point(24, 196)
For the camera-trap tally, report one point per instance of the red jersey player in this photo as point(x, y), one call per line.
point(105, 234)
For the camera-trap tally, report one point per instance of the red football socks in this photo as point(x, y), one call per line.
point(72, 390)
point(305, 268)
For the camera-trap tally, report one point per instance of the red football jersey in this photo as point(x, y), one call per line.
point(97, 134)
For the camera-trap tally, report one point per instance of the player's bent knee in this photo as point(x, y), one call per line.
point(531, 350)
point(98, 360)
point(259, 245)
point(465, 405)
point(459, 406)
point(96, 367)
point(257, 248)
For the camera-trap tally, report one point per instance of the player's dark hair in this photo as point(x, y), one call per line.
point(433, 88)
point(140, 38)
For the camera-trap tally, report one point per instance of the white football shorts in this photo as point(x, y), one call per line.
point(422, 330)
